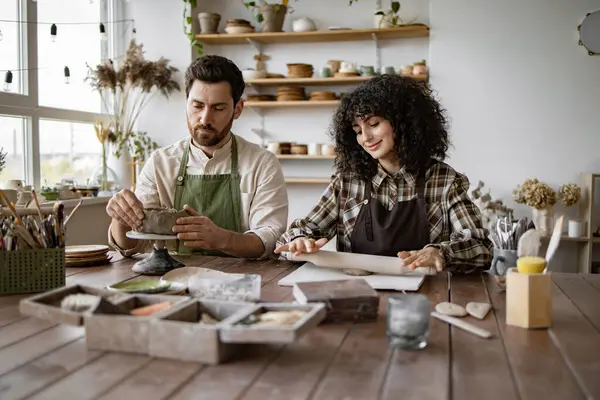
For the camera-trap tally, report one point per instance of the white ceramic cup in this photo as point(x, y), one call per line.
point(574, 228)
point(314, 149)
point(16, 184)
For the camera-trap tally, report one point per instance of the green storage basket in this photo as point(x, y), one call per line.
point(32, 270)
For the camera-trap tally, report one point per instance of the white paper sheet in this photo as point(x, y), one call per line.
point(311, 273)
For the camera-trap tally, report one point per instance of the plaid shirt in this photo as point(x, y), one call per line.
point(455, 224)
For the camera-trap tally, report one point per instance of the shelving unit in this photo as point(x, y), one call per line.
point(258, 39)
point(587, 215)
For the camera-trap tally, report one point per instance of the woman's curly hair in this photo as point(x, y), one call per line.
point(418, 120)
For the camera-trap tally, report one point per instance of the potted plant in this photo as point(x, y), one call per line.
point(270, 16)
point(125, 91)
point(387, 18)
point(570, 194)
point(541, 198)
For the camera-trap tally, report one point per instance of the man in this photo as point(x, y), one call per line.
point(233, 190)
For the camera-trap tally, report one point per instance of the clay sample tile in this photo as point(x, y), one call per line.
point(160, 221)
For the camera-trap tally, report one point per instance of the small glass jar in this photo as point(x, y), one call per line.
point(408, 321)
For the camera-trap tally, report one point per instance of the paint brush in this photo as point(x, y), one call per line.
point(73, 212)
point(37, 204)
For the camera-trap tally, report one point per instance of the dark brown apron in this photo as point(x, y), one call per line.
point(383, 232)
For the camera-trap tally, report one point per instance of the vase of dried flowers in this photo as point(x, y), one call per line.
point(570, 194)
point(126, 89)
point(541, 198)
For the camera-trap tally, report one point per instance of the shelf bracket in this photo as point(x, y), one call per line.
point(377, 52)
point(255, 44)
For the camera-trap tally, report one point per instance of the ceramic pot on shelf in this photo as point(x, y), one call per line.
point(574, 228)
point(209, 22)
point(273, 17)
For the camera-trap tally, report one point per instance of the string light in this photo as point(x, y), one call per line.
point(103, 35)
point(53, 32)
point(67, 75)
point(8, 81)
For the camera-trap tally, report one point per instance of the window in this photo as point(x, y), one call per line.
point(11, 56)
point(11, 141)
point(46, 125)
point(55, 55)
point(68, 150)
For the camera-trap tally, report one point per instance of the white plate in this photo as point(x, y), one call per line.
point(149, 236)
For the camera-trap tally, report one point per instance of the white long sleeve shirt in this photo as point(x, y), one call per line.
point(264, 199)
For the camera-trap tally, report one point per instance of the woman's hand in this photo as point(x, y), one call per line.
point(302, 245)
point(427, 257)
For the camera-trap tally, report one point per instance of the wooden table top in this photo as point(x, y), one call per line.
point(41, 360)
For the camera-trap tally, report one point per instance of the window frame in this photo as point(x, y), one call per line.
point(26, 105)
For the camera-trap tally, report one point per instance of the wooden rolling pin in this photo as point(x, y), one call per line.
point(377, 264)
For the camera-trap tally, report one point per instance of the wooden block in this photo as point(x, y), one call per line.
point(346, 300)
point(528, 299)
point(178, 334)
point(47, 305)
point(236, 331)
point(125, 332)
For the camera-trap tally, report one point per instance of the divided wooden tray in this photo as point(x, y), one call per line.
point(175, 332)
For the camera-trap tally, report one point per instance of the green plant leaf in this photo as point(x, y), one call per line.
point(395, 6)
point(188, 20)
point(259, 18)
point(395, 20)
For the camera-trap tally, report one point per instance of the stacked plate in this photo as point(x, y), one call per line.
point(300, 70)
point(323, 96)
point(86, 255)
point(238, 26)
point(290, 93)
point(260, 97)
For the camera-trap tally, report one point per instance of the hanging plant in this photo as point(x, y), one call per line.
point(188, 26)
point(255, 6)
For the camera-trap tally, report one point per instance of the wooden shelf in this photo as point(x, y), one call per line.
point(303, 157)
point(404, 31)
point(317, 81)
point(307, 180)
point(284, 104)
point(566, 238)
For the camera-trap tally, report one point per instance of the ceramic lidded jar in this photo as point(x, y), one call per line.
point(304, 24)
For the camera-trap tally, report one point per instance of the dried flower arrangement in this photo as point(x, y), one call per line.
point(569, 194)
point(126, 90)
point(534, 193)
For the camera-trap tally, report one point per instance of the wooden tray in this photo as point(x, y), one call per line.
point(47, 305)
point(125, 332)
point(179, 335)
point(234, 332)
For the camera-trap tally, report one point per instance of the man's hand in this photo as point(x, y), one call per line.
point(199, 231)
point(126, 209)
point(302, 245)
point(427, 257)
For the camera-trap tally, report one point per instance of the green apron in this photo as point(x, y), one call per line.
point(214, 196)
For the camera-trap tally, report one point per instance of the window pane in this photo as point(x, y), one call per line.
point(10, 55)
point(11, 141)
point(74, 46)
point(68, 150)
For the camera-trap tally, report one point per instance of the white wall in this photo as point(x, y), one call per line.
point(522, 95)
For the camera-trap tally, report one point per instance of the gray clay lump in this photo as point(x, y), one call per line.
point(160, 221)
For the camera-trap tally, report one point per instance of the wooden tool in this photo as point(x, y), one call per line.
point(377, 264)
point(459, 323)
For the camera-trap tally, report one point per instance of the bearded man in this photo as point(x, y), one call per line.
point(233, 190)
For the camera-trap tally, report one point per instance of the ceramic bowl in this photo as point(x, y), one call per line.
point(239, 29)
point(250, 74)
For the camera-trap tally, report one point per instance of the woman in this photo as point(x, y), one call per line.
point(392, 194)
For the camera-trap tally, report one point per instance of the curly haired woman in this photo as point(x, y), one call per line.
point(392, 194)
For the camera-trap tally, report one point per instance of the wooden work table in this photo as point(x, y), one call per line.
point(343, 361)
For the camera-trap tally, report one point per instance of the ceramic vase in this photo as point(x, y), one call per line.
point(383, 21)
point(543, 220)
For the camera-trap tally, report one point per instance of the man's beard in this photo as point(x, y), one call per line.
point(207, 135)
